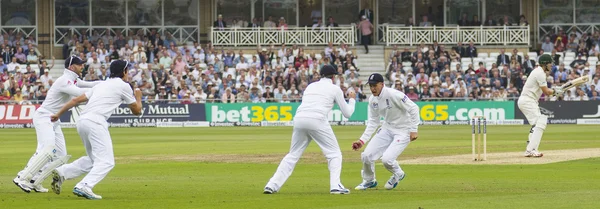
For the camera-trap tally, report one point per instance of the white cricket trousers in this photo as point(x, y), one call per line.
point(386, 145)
point(534, 116)
point(304, 130)
point(48, 134)
point(100, 158)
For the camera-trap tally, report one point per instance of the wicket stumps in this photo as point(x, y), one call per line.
point(476, 125)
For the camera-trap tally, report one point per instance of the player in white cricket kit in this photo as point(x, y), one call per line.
point(528, 103)
point(311, 122)
point(92, 126)
point(51, 151)
point(401, 121)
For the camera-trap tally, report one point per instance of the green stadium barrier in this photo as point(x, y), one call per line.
point(429, 111)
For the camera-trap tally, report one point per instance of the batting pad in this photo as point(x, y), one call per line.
point(39, 160)
point(51, 166)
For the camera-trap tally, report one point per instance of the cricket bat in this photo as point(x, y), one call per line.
point(575, 82)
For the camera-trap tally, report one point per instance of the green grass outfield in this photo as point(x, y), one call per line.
point(228, 167)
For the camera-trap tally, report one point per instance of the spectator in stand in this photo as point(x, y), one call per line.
point(331, 22)
point(523, 21)
point(21, 57)
point(425, 21)
point(475, 21)
point(32, 58)
point(506, 21)
point(282, 24)
point(366, 13)
point(490, 21)
point(471, 51)
point(366, 29)
point(502, 58)
point(220, 24)
point(464, 20)
point(270, 23)
point(547, 46)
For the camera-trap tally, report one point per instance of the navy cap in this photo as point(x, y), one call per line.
point(73, 60)
point(375, 78)
point(117, 68)
point(328, 70)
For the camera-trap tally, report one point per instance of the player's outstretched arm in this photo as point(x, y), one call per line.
point(69, 105)
point(372, 124)
point(86, 84)
point(346, 108)
point(136, 107)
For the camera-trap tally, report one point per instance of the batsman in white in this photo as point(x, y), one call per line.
point(92, 126)
point(51, 151)
point(528, 103)
point(311, 122)
point(401, 121)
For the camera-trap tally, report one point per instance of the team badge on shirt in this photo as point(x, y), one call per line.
point(375, 105)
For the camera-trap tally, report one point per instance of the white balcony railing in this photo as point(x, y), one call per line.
point(482, 35)
point(545, 29)
point(25, 30)
point(183, 34)
point(293, 35)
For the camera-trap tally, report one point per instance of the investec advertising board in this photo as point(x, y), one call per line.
point(568, 112)
point(428, 111)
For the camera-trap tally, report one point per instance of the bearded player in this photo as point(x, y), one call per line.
point(92, 126)
point(528, 103)
point(51, 151)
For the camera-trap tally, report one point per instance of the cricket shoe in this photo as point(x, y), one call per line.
point(366, 185)
point(533, 153)
point(340, 190)
point(39, 188)
point(23, 185)
point(57, 181)
point(268, 190)
point(393, 182)
point(86, 192)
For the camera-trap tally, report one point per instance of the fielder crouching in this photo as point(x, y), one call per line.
point(401, 120)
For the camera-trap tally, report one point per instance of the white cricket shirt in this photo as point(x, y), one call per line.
point(398, 111)
point(318, 99)
point(532, 88)
point(105, 97)
point(64, 88)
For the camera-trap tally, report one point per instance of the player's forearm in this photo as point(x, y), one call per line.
point(415, 120)
point(348, 109)
point(86, 84)
point(138, 106)
point(371, 128)
point(69, 105)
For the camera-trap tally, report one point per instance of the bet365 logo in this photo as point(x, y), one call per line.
point(252, 114)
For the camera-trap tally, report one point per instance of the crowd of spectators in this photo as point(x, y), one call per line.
point(165, 69)
point(23, 72)
point(435, 72)
point(168, 70)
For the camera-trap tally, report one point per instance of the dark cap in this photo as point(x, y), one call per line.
point(375, 78)
point(328, 70)
point(73, 60)
point(117, 68)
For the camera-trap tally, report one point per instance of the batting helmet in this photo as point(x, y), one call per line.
point(328, 70)
point(545, 59)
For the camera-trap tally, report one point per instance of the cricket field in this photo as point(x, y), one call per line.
point(174, 168)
